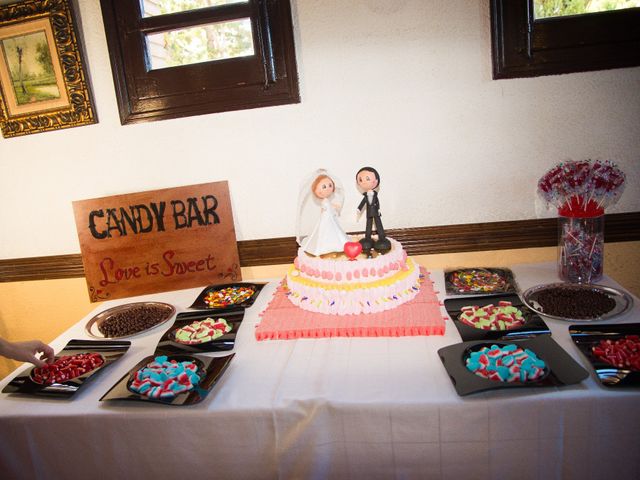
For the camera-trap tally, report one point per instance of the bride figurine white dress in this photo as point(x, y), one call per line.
point(320, 193)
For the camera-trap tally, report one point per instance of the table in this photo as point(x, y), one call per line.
point(328, 408)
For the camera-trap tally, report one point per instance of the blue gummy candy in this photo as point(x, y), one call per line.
point(471, 365)
point(144, 387)
point(504, 373)
point(539, 363)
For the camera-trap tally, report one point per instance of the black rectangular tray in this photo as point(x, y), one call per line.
point(504, 273)
point(111, 350)
point(534, 324)
point(587, 336)
point(200, 304)
point(213, 368)
point(562, 369)
point(225, 342)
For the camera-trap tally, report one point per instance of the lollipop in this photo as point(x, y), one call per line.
point(582, 188)
point(606, 183)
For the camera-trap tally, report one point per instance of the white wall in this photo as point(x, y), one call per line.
point(404, 86)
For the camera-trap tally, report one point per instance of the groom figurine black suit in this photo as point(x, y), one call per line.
point(368, 181)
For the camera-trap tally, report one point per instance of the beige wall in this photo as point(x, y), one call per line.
point(45, 309)
point(403, 85)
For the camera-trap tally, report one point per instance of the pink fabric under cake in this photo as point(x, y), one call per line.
point(421, 316)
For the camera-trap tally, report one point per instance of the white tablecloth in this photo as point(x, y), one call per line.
point(327, 408)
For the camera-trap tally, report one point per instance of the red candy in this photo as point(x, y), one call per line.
point(621, 353)
point(67, 367)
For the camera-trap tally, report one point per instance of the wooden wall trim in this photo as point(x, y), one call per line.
point(619, 227)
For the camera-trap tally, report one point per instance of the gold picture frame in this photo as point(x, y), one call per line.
point(43, 83)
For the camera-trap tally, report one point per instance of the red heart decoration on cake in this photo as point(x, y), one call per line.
point(352, 249)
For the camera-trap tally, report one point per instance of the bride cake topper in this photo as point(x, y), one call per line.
point(368, 183)
point(319, 204)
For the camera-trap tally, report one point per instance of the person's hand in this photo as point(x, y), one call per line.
point(33, 351)
point(358, 215)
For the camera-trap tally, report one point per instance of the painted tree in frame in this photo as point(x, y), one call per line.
point(31, 71)
point(43, 83)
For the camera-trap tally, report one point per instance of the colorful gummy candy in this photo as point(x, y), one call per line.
point(477, 280)
point(490, 317)
point(621, 353)
point(202, 331)
point(165, 379)
point(67, 367)
point(508, 363)
point(228, 296)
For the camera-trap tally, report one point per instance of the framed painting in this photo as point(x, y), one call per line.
point(43, 82)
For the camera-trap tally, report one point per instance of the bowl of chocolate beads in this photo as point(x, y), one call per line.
point(129, 319)
point(577, 301)
point(228, 296)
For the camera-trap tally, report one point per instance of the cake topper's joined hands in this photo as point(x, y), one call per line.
point(368, 181)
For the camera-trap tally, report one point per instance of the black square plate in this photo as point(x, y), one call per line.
point(479, 281)
point(247, 302)
point(225, 342)
point(210, 370)
point(534, 325)
point(588, 336)
point(561, 368)
point(110, 350)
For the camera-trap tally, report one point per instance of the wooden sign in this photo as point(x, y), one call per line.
point(157, 241)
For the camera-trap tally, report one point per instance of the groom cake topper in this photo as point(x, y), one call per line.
point(368, 182)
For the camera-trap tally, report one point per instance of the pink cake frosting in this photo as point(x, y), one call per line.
point(342, 287)
point(342, 272)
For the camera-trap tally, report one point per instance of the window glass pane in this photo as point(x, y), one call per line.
point(204, 43)
point(152, 8)
point(558, 8)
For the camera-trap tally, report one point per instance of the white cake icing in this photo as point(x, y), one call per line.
point(343, 287)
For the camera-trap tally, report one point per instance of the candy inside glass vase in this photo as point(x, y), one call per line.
point(581, 191)
point(580, 248)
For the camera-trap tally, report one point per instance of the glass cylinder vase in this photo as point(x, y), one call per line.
point(580, 248)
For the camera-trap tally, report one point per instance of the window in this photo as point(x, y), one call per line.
point(527, 45)
point(175, 58)
point(559, 8)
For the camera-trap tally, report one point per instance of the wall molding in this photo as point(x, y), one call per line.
point(619, 227)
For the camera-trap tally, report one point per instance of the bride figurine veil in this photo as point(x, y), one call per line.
point(309, 206)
